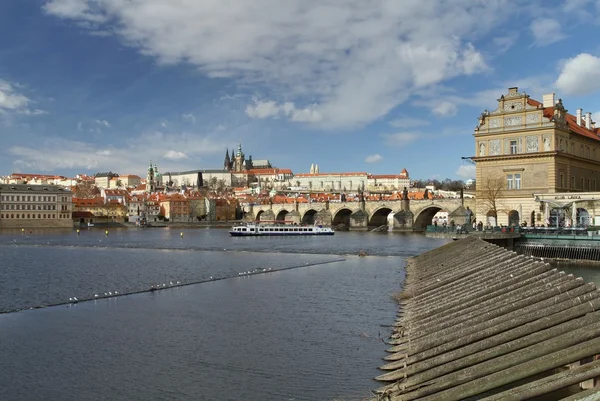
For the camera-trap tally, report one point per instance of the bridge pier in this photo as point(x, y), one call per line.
point(293, 217)
point(403, 221)
point(267, 215)
point(359, 220)
point(323, 217)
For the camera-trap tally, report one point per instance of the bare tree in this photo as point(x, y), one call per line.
point(85, 189)
point(212, 183)
point(221, 186)
point(489, 191)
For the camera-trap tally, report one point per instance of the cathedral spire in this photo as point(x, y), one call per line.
point(227, 162)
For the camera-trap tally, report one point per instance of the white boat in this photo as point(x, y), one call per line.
point(262, 229)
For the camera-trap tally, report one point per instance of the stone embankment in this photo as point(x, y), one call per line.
point(479, 322)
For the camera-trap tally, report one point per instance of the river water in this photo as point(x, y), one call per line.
point(309, 328)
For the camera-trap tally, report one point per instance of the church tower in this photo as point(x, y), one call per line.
point(240, 160)
point(227, 162)
point(150, 179)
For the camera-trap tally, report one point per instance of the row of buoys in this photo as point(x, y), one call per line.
point(254, 271)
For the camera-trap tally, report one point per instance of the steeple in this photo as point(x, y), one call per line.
point(312, 168)
point(150, 179)
point(227, 162)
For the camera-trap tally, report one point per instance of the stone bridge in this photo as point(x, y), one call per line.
point(400, 215)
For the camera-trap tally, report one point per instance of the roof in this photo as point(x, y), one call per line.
point(31, 187)
point(331, 174)
point(30, 175)
point(570, 119)
point(376, 176)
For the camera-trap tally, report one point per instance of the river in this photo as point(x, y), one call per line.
point(308, 324)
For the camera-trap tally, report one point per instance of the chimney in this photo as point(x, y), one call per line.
point(548, 100)
point(579, 111)
point(588, 120)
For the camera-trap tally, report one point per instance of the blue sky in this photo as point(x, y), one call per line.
point(352, 85)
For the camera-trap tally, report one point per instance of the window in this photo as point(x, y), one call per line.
point(513, 181)
point(562, 180)
point(513, 147)
point(582, 182)
point(572, 182)
point(589, 184)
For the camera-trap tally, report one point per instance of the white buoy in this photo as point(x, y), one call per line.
point(95, 295)
point(70, 299)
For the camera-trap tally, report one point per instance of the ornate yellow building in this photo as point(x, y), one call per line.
point(527, 147)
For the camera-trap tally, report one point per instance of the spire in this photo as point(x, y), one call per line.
point(312, 168)
point(227, 162)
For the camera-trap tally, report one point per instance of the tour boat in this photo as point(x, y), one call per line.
point(270, 229)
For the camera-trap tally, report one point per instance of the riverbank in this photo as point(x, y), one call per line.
point(166, 224)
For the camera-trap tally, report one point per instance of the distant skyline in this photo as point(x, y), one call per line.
point(375, 86)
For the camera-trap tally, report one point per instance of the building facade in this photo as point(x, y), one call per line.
point(527, 147)
point(32, 206)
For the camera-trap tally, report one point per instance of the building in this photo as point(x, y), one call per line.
point(111, 211)
point(388, 182)
point(527, 147)
point(350, 182)
point(175, 207)
point(29, 206)
point(130, 180)
point(102, 180)
point(238, 162)
point(199, 178)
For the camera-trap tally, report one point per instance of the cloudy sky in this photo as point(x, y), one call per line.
point(352, 85)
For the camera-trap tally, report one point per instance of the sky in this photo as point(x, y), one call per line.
point(373, 86)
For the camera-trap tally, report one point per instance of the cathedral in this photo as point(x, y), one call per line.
point(237, 162)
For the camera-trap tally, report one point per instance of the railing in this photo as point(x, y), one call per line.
point(559, 231)
point(464, 229)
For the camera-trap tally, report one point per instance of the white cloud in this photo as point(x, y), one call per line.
point(401, 138)
point(445, 109)
point(53, 153)
point(503, 43)
point(466, 171)
point(269, 108)
point(175, 155)
point(352, 61)
point(263, 109)
point(374, 158)
point(103, 123)
point(163, 124)
point(190, 117)
point(580, 75)
point(546, 31)
point(12, 101)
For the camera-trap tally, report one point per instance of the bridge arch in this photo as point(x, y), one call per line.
point(258, 214)
point(425, 217)
point(342, 216)
point(309, 217)
point(281, 215)
point(379, 217)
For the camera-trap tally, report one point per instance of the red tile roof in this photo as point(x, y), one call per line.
point(571, 120)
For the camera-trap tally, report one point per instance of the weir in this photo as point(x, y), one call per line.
point(479, 322)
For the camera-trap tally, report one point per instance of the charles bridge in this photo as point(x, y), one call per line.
point(408, 215)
